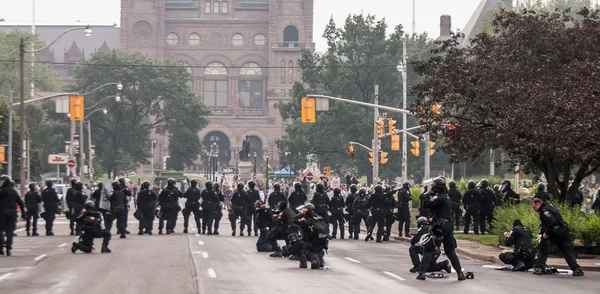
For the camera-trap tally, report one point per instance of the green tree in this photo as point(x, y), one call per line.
point(530, 89)
point(155, 97)
point(359, 56)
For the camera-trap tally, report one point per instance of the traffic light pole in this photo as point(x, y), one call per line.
point(404, 122)
point(427, 158)
point(375, 138)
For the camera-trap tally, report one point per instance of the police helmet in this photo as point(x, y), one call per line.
point(541, 187)
point(240, 187)
point(49, 183)
point(251, 184)
point(79, 186)
point(505, 186)
point(216, 186)
point(282, 205)
point(378, 189)
point(421, 221)
point(32, 187)
point(73, 182)
point(277, 187)
point(452, 185)
point(406, 185)
point(310, 207)
point(439, 185)
point(387, 188)
point(171, 182)
point(208, 185)
point(320, 188)
point(471, 185)
point(362, 191)
point(353, 188)
point(194, 183)
point(116, 186)
point(484, 184)
point(496, 187)
point(337, 192)
point(90, 205)
point(145, 185)
point(101, 185)
point(298, 187)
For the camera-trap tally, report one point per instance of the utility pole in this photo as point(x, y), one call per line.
point(492, 171)
point(89, 123)
point(81, 152)
point(28, 161)
point(10, 134)
point(413, 18)
point(404, 122)
point(427, 168)
point(375, 138)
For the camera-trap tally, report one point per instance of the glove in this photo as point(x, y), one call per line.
point(24, 215)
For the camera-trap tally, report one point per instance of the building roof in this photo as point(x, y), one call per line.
point(473, 27)
point(101, 33)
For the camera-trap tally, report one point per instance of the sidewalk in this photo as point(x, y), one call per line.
point(478, 251)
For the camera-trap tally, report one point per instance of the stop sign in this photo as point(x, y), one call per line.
point(71, 163)
point(91, 170)
point(309, 176)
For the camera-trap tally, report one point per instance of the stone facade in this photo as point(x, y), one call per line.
point(242, 55)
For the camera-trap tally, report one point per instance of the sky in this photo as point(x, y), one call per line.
point(395, 12)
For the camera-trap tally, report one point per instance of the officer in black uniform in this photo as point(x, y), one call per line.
point(510, 197)
point(117, 209)
point(9, 199)
point(50, 199)
point(360, 212)
point(69, 197)
point(488, 203)
point(91, 223)
point(192, 205)
point(440, 207)
point(146, 201)
point(79, 200)
point(239, 202)
point(376, 205)
point(541, 193)
point(169, 203)
point(218, 208)
point(522, 257)
point(472, 203)
point(337, 213)
point(253, 196)
point(321, 202)
point(456, 198)
point(553, 230)
point(210, 201)
point(498, 195)
point(297, 198)
point(128, 195)
point(349, 201)
point(275, 197)
point(32, 201)
point(404, 198)
point(389, 203)
point(422, 198)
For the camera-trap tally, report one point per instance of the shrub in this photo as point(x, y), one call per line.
point(416, 192)
point(462, 184)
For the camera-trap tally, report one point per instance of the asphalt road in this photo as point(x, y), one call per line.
point(191, 263)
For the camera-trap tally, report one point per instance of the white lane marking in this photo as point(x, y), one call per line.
point(20, 230)
point(394, 276)
point(598, 263)
point(200, 242)
point(4, 276)
point(212, 273)
point(62, 245)
point(40, 257)
point(205, 254)
point(197, 235)
point(353, 260)
point(490, 266)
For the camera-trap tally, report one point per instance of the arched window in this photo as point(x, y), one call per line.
point(290, 36)
point(250, 69)
point(215, 69)
point(215, 85)
point(250, 86)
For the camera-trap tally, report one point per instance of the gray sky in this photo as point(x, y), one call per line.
point(395, 12)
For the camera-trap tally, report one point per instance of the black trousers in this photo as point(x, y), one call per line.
point(86, 240)
point(32, 215)
point(241, 214)
point(356, 219)
point(218, 215)
point(250, 215)
point(449, 248)
point(73, 225)
point(121, 218)
point(390, 219)
point(338, 220)
point(434, 266)
point(457, 213)
point(186, 217)
point(404, 221)
point(209, 216)
point(472, 213)
point(486, 215)
point(378, 219)
point(147, 219)
point(350, 224)
point(50, 217)
point(564, 244)
point(514, 257)
point(8, 224)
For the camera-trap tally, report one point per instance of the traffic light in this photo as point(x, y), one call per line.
point(431, 150)
point(391, 124)
point(421, 114)
point(415, 145)
point(395, 142)
point(309, 110)
point(19, 162)
point(383, 159)
point(350, 151)
point(371, 157)
point(76, 107)
point(435, 107)
point(380, 127)
point(2, 154)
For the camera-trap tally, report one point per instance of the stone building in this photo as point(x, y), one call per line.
point(242, 55)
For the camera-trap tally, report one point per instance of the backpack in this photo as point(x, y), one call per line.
point(320, 231)
point(359, 204)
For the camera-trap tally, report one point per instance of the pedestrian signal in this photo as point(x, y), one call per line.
point(395, 142)
point(308, 110)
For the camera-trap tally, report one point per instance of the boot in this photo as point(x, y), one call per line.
point(369, 238)
point(149, 233)
point(203, 232)
point(1, 251)
point(127, 232)
point(141, 233)
point(49, 233)
point(421, 276)
point(461, 276)
point(241, 234)
point(342, 237)
point(8, 253)
point(276, 254)
point(160, 231)
point(386, 238)
point(216, 232)
point(123, 236)
point(209, 233)
point(447, 267)
point(105, 249)
point(233, 233)
point(303, 265)
point(518, 266)
point(539, 271)
point(378, 241)
point(35, 234)
point(74, 247)
point(577, 272)
point(414, 269)
point(355, 237)
point(28, 234)
point(185, 231)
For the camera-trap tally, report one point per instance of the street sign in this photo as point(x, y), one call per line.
point(309, 176)
point(57, 159)
point(92, 170)
point(71, 163)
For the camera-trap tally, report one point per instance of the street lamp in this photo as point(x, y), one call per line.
point(254, 169)
point(267, 171)
point(402, 68)
point(22, 52)
point(117, 99)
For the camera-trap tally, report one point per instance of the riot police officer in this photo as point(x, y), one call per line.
point(9, 199)
point(297, 198)
point(404, 198)
point(440, 207)
point(510, 196)
point(50, 199)
point(376, 204)
point(553, 230)
point(276, 196)
point(210, 201)
point(472, 203)
point(349, 202)
point(79, 200)
point(70, 206)
point(32, 201)
point(337, 213)
point(541, 193)
point(146, 201)
point(456, 198)
point(321, 202)
point(192, 205)
point(218, 208)
point(117, 209)
point(522, 257)
point(128, 195)
point(389, 203)
point(360, 212)
point(169, 203)
point(239, 201)
point(488, 203)
point(253, 196)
